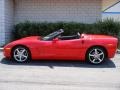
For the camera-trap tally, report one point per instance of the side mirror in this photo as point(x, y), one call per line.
point(55, 40)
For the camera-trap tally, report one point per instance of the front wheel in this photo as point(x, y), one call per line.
point(96, 55)
point(21, 54)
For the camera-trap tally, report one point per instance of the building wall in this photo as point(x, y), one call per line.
point(9, 13)
point(87, 11)
point(6, 20)
point(2, 28)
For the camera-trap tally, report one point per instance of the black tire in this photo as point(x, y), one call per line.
point(21, 54)
point(96, 55)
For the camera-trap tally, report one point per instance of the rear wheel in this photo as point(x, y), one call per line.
point(96, 55)
point(21, 54)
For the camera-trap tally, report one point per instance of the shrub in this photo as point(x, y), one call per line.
point(108, 26)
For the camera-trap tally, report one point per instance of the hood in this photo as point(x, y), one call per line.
point(26, 39)
point(23, 40)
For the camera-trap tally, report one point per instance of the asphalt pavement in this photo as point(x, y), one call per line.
point(59, 75)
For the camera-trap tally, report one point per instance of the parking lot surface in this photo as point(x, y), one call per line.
point(59, 75)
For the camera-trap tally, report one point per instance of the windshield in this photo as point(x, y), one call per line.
point(53, 35)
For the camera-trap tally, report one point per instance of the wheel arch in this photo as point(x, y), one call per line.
point(99, 46)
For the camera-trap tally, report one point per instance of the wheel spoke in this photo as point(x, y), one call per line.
point(20, 58)
point(96, 52)
point(91, 55)
point(23, 51)
point(16, 55)
point(17, 50)
point(99, 59)
point(94, 60)
point(24, 56)
point(100, 54)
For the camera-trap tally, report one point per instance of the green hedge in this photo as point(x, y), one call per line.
point(108, 27)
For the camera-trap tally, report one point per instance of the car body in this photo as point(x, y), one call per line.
point(57, 47)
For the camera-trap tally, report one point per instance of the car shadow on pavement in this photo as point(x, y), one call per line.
point(54, 63)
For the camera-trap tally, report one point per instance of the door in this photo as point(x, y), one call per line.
point(46, 49)
point(68, 49)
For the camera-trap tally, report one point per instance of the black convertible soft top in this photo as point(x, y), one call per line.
point(58, 34)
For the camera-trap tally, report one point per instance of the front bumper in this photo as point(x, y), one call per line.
point(7, 52)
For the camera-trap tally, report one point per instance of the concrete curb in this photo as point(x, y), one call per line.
point(1, 49)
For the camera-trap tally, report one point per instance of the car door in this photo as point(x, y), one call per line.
point(46, 49)
point(68, 49)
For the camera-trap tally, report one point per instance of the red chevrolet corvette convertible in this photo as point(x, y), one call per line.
point(91, 48)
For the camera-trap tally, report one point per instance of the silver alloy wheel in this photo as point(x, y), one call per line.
point(96, 56)
point(20, 54)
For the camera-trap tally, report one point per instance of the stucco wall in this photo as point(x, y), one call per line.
point(9, 18)
point(87, 11)
point(6, 20)
point(2, 28)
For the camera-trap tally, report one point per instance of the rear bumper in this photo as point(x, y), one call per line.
point(111, 52)
point(112, 48)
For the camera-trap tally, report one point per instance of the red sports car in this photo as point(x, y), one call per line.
point(92, 48)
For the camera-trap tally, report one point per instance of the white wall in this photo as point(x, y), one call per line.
point(9, 13)
point(87, 11)
point(2, 28)
point(6, 20)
